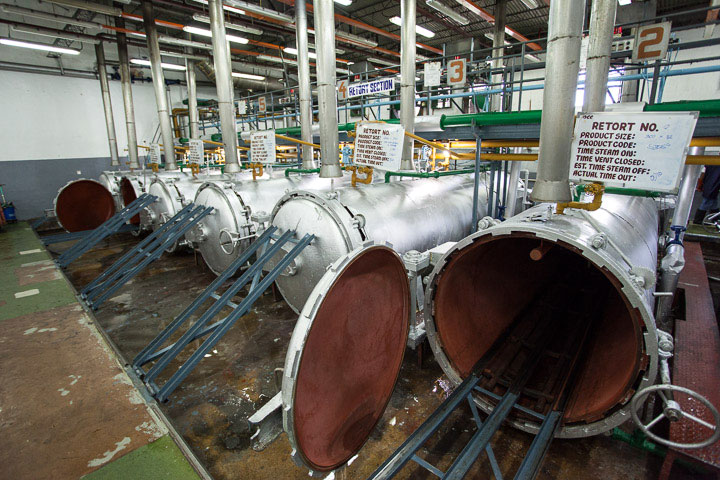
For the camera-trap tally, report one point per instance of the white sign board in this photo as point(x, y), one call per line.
point(196, 153)
point(379, 145)
point(651, 42)
point(456, 71)
point(370, 88)
point(242, 107)
point(432, 71)
point(342, 92)
point(262, 106)
point(155, 155)
point(632, 150)
point(262, 146)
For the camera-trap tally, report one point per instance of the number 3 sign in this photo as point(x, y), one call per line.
point(456, 72)
point(651, 42)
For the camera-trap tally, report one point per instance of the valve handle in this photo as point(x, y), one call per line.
point(227, 246)
point(674, 412)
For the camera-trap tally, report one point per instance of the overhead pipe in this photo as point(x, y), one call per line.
point(125, 79)
point(208, 70)
point(327, 98)
point(159, 84)
point(193, 115)
point(107, 105)
point(556, 127)
point(223, 82)
point(305, 92)
point(602, 26)
point(407, 80)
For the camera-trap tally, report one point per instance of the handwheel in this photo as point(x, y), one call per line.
point(674, 412)
point(709, 223)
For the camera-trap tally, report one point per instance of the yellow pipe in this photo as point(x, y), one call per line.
point(702, 159)
point(301, 142)
point(368, 171)
point(257, 170)
point(596, 189)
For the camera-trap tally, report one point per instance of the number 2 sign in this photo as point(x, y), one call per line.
point(456, 72)
point(651, 42)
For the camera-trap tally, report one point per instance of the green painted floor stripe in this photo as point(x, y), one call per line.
point(159, 460)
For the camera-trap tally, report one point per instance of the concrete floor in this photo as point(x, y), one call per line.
point(210, 409)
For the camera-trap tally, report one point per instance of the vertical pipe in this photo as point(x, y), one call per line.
point(303, 59)
point(407, 79)
point(496, 102)
point(107, 104)
point(602, 24)
point(193, 116)
point(512, 187)
point(127, 94)
point(691, 173)
point(324, 15)
point(562, 65)
point(224, 84)
point(159, 85)
point(629, 88)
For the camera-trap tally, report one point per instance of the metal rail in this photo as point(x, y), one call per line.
point(266, 249)
point(109, 227)
point(142, 255)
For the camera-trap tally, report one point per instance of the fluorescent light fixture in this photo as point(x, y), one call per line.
point(344, 3)
point(624, 2)
point(351, 37)
point(237, 4)
point(38, 46)
point(418, 29)
point(381, 61)
point(146, 63)
point(530, 3)
point(183, 42)
point(293, 51)
point(448, 12)
point(231, 26)
point(248, 76)
point(207, 33)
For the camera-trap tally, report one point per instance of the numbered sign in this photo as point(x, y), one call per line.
point(651, 42)
point(432, 71)
point(456, 71)
point(196, 153)
point(262, 146)
point(632, 150)
point(342, 90)
point(262, 106)
point(155, 155)
point(379, 145)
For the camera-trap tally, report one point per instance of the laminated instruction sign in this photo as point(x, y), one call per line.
point(379, 145)
point(196, 152)
point(155, 153)
point(369, 88)
point(632, 150)
point(262, 146)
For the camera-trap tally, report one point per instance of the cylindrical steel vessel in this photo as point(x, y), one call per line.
point(83, 204)
point(224, 234)
point(486, 281)
point(411, 215)
point(111, 180)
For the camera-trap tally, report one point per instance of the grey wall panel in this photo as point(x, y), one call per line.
point(32, 184)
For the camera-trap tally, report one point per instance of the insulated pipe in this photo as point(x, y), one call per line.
point(303, 59)
point(512, 192)
point(107, 105)
point(498, 52)
point(159, 84)
point(193, 115)
point(407, 79)
point(324, 11)
point(125, 79)
point(562, 64)
point(224, 84)
point(602, 25)
point(611, 251)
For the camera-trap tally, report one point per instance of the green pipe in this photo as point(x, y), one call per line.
point(436, 174)
point(491, 118)
point(707, 108)
point(638, 440)
point(631, 192)
point(288, 171)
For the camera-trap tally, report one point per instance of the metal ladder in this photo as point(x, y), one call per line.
point(266, 247)
point(142, 255)
point(536, 341)
point(108, 227)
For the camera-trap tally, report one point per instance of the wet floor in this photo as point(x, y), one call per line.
point(211, 407)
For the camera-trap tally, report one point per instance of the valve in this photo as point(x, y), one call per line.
point(228, 240)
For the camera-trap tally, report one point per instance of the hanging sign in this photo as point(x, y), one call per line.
point(370, 88)
point(456, 71)
point(242, 107)
point(196, 153)
point(155, 154)
point(262, 146)
point(432, 73)
point(651, 42)
point(342, 89)
point(262, 106)
point(632, 150)
point(379, 145)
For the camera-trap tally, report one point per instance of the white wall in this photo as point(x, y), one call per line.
point(52, 117)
